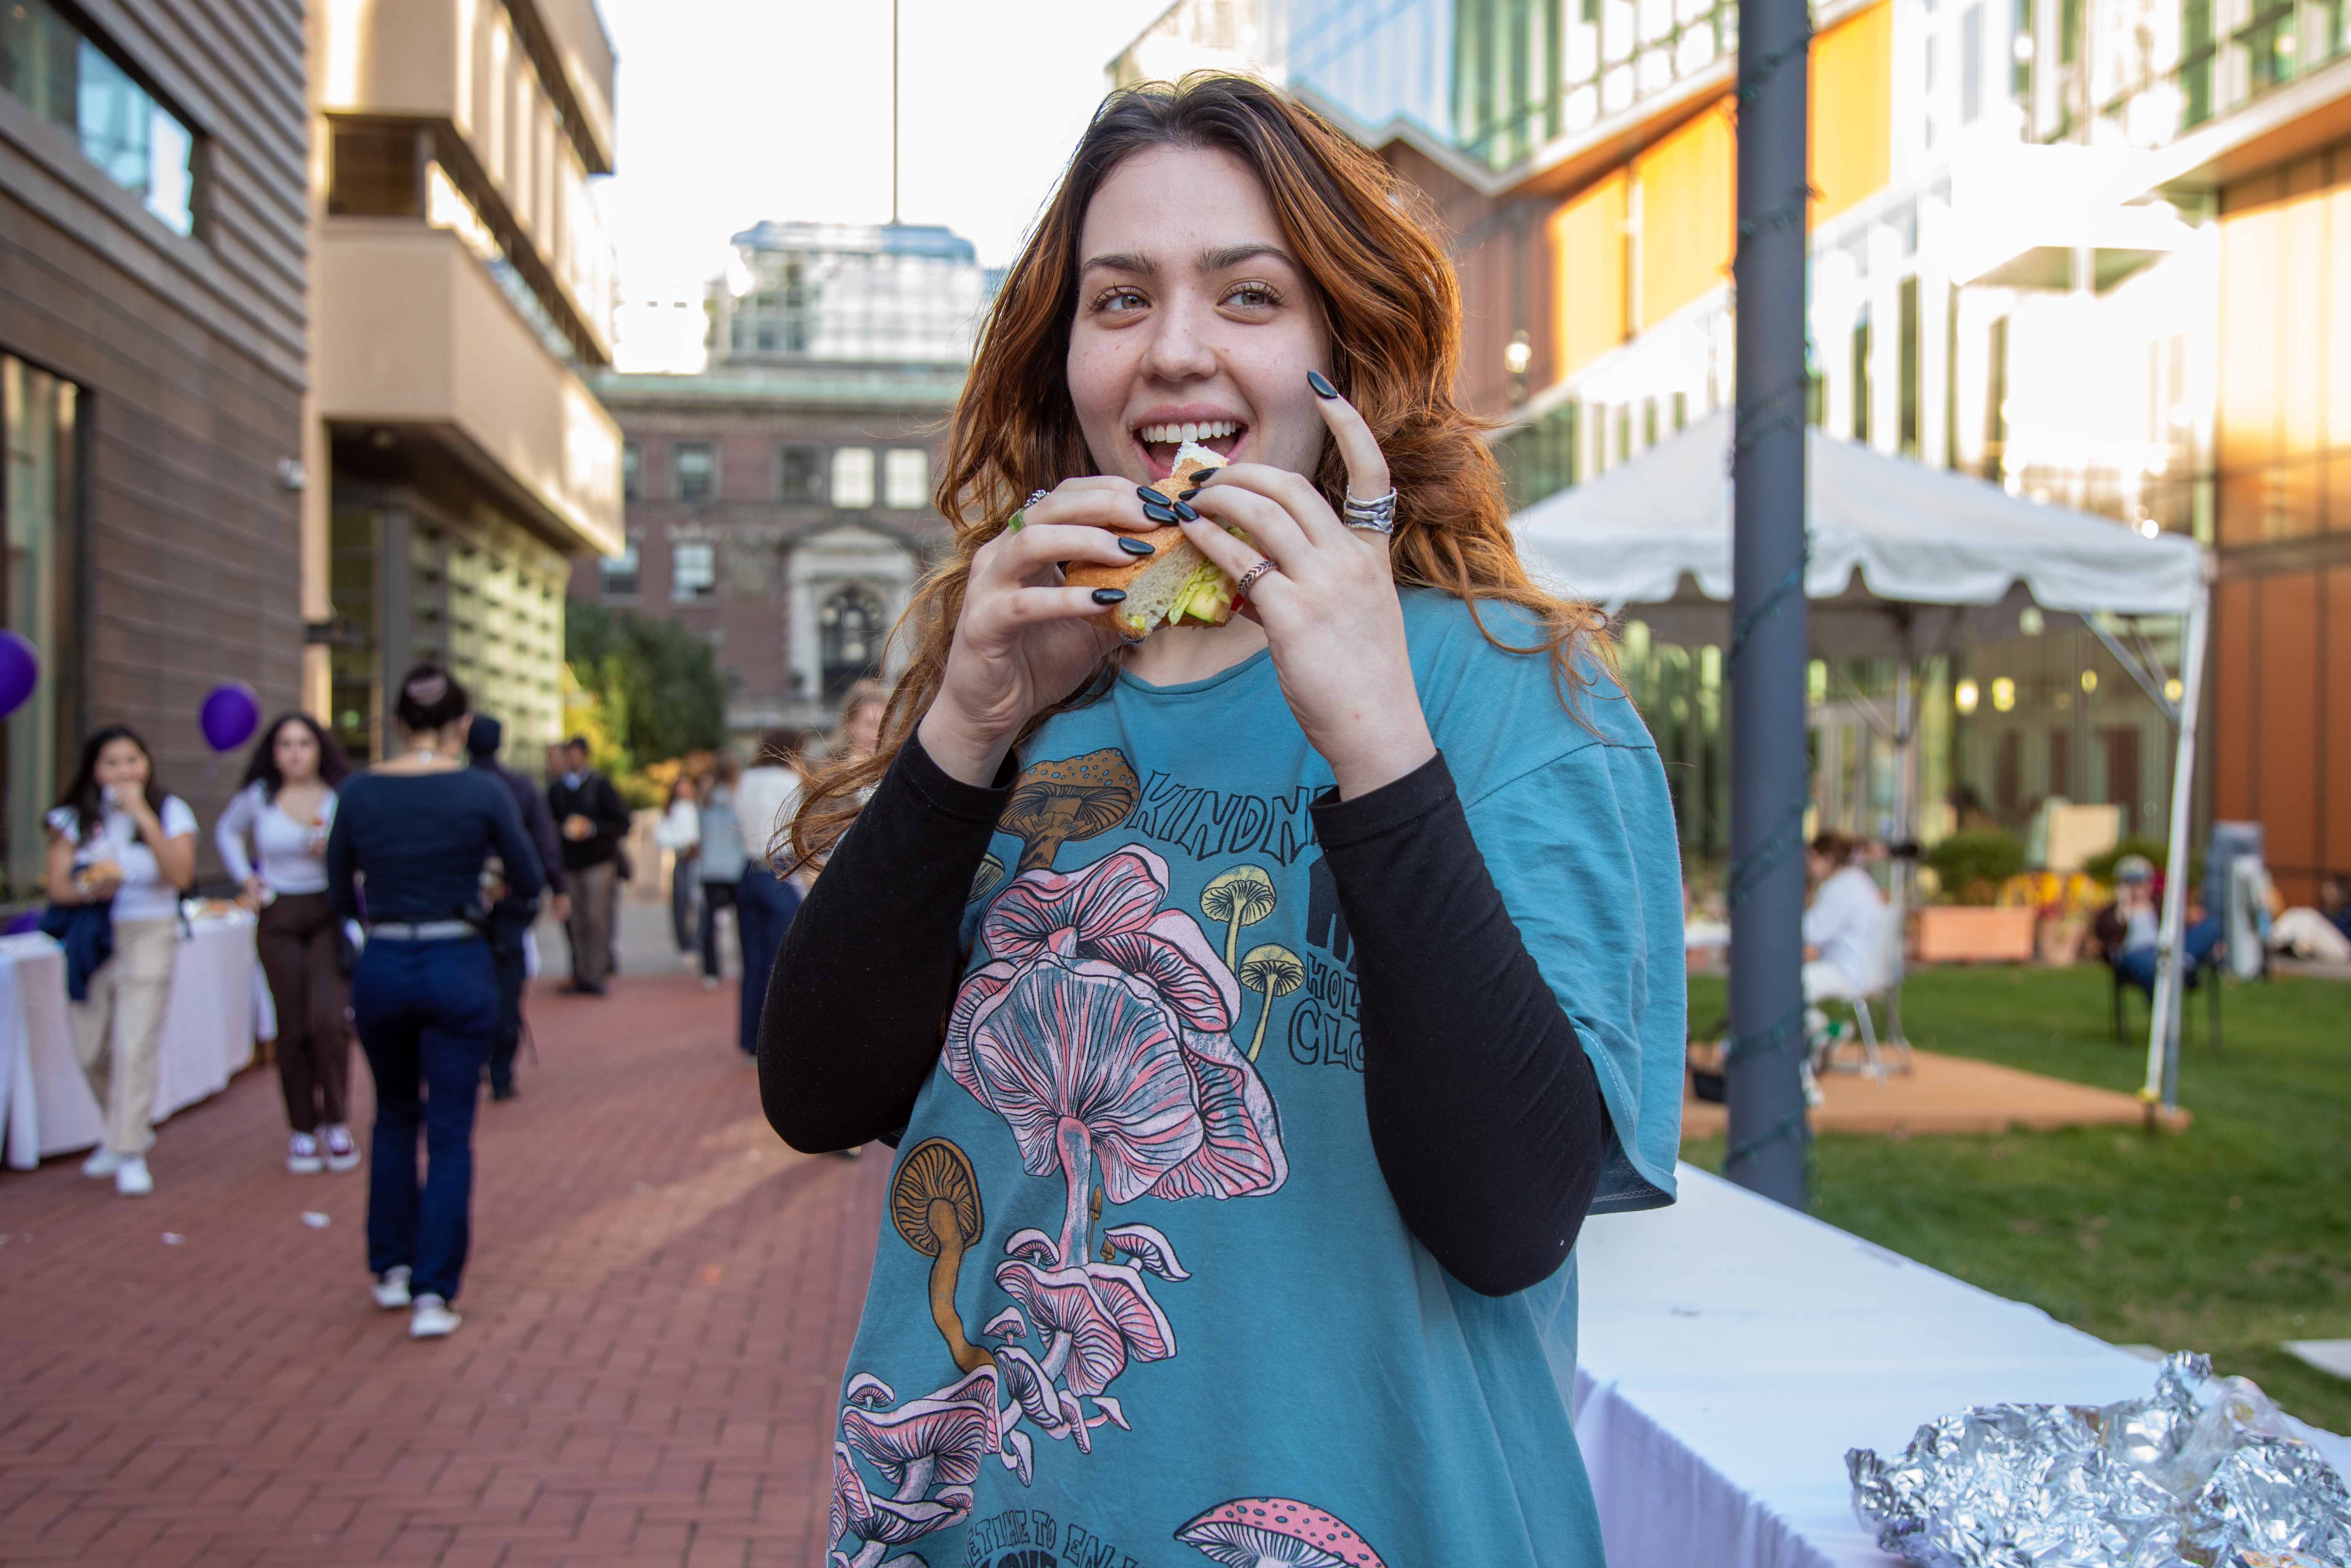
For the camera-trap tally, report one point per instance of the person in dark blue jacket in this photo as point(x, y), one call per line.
point(417, 839)
point(511, 917)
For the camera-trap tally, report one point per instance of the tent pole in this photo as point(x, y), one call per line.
point(1906, 831)
point(1769, 1142)
point(2163, 1023)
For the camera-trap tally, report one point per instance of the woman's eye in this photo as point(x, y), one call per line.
point(1252, 297)
point(1120, 301)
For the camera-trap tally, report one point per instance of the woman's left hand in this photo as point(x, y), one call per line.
point(1329, 607)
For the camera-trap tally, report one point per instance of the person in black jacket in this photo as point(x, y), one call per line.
point(592, 819)
point(511, 917)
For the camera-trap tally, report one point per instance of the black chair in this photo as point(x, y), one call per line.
point(2205, 974)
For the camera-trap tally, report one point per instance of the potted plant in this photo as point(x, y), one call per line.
point(1972, 925)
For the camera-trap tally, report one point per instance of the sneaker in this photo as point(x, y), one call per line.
point(689, 960)
point(851, 1154)
point(130, 1179)
point(503, 1091)
point(709, 982)
point(390, 1291)
point(102, 1162)
point(432, 1318)
point(302, 1154)
point(342, 1151)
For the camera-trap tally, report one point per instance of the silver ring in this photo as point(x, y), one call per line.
point(1251, 575)
point(1375, 516)
point(1036, 495)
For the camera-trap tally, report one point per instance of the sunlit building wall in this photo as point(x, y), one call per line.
point(463, 292)
point(898, 293)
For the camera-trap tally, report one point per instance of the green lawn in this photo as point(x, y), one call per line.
point(2227, 1239)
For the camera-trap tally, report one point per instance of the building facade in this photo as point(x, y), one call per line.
point(462, 297)
point(151, 370)
point(2092, 250)
point(779, 501)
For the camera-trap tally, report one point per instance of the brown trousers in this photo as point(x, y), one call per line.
point(594, 897)
point(115, 1031)
point(301, 940)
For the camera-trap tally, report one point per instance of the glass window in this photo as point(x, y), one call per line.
point(694, 570)
point(852, 477)
point(906, 479)
point(37, 576)
point(617, 574)
point(800, 476)
point(694, 468)
point(64, 77)
point(849, 629)
point(373, 172)
point(632, 470)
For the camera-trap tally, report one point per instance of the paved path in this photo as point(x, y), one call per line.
point(660, 1300)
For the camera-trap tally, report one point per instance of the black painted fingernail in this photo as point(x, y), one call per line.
point(1161, 514)
point(1109, 595)
point(1133, 545)
point(1322, 389)
point(1150, 496)
point(1187, 513)
point(1201, 476)
point(1194, 490)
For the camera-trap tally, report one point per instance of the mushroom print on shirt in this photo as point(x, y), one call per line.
point(1141, 1287)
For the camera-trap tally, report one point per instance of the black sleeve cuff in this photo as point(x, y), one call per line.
point(1343, 824)
point(944, 793)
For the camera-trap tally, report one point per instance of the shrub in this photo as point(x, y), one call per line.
point(2102, 866)
point(1971, 865)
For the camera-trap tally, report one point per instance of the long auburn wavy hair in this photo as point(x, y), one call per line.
point(1393, 307)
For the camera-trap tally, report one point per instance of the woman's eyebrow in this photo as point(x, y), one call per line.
point(1226, 257)
point(1121, 261)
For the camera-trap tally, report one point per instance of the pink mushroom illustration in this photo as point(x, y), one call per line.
point(1096, 1317)
point(924, 1443)
point(1276, 1532)
point(1111, 911)
point(852, 1509)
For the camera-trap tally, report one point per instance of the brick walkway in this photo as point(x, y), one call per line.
point(660, 1300)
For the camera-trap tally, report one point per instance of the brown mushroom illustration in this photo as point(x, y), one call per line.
point(934, 1204)
point(983, 880)
point(1076, 797)
point(1273, 970)
point(1241, 896)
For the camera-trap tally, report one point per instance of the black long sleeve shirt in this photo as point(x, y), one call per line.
point(418, 841)
point(1485, 1114)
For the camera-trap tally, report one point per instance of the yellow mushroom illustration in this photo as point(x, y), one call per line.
point(934, 1204)
point(983, 880)
point(1272, 970)
point(1241, 896)
point(1076, 797)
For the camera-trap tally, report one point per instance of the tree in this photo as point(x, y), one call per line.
point(656, 684)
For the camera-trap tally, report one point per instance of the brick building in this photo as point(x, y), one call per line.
point(152, 272)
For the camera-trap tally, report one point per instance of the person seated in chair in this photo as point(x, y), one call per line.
point(2128, 931)
point(1842, 924)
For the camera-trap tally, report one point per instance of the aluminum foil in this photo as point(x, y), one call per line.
point(2205, 1473)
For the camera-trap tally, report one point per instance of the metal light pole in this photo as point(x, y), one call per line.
point(1769, 1137)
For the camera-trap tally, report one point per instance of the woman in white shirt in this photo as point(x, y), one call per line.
point(1843, 926)
point(722, 860)
point(284, 812)
point(116, 839)
point(766, 797)
point(679, 830)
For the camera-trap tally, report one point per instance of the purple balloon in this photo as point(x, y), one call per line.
point(231, 712)
point(20, 672)
point(28, 920)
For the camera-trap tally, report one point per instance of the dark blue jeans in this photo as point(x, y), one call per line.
point(763, 906)
point(2137, 965)
point(425, 1012)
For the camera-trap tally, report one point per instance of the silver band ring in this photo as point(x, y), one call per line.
point(1019, 516)
point(1374, 516)
point(1251, 575)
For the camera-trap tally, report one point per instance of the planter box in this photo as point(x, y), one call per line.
point(1956, 934)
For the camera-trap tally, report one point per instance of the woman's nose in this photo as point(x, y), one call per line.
point(1179, 350)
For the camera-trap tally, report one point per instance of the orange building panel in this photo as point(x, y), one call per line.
point(1588, 245)
point(1852, 110)
point(1689, 201)
point(2335, 738)
point(2289, 721)
point(2234, 750)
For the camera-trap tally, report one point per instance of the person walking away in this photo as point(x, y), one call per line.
point(273, 838)
point(511, 917)
point(679, 831)
point(121, 850)
point(410, 840)
point(589, 814)
point(766, 798)
point(722, 862)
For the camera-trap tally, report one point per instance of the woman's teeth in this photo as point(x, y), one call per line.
point(1208, 430)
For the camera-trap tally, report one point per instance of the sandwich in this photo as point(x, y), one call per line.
point(1176, 586)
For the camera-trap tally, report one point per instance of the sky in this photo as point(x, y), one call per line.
point(734, 111)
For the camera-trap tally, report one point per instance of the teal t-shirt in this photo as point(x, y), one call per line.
point(1141, 1298)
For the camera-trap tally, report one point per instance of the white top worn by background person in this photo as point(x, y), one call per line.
point(721, 837)
point(680, 827)
point(1843, 923)
point(143, 894)
point(765, 799)
point(293, 854)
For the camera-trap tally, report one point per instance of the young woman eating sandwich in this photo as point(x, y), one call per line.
point(1257, 1009)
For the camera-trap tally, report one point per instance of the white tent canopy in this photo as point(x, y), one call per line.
point(1904, 560)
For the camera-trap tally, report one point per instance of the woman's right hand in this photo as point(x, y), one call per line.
point(1024, 641)
point(250, 894)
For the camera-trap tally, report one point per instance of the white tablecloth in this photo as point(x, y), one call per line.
point(209, 1027)
point(1733, 1350)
